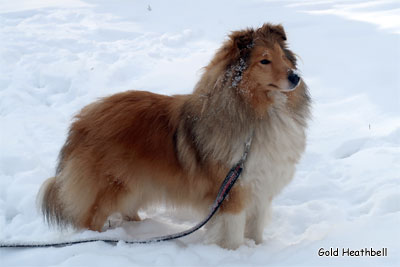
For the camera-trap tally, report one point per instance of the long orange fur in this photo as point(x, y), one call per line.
point(135, 149)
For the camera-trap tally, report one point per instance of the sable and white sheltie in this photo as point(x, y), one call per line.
point(134, 149)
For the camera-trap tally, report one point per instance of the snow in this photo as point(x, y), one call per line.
point(57, 56)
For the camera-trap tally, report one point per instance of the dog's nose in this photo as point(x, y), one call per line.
point(293, 78)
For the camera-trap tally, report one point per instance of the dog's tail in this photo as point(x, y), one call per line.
point(49, 203)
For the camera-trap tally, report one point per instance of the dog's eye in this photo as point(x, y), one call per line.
point(265, 61)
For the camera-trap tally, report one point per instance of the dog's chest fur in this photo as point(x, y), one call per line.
point(277, 146)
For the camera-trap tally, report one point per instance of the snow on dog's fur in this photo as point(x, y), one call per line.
point(135, 149)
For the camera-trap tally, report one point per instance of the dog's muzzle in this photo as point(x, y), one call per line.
point(294, 79)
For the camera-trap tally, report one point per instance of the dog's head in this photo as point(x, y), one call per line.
point(259, 62)
point(256, 64)
point(270, 65)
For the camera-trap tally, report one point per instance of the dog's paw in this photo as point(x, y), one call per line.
point(132, 218)
point(223, 242)
point(113, 221)
point(229, 245)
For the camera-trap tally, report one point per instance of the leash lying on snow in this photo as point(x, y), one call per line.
point(226, 186)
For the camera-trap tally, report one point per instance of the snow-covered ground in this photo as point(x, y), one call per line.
point(57, 56)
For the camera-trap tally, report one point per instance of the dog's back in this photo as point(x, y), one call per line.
point(119, 137)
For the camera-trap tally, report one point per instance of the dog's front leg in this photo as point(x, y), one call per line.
point(227, 229)
point(256, 219)
point(227, 226)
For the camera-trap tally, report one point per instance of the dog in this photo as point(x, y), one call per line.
point(135, 149)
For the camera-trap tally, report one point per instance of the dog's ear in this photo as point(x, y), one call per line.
point(279, 31)
point(276, 31)
point(241, 41)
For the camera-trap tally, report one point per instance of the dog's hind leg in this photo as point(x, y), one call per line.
point(88, 199)
point(130, 203)
point(106, 203)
